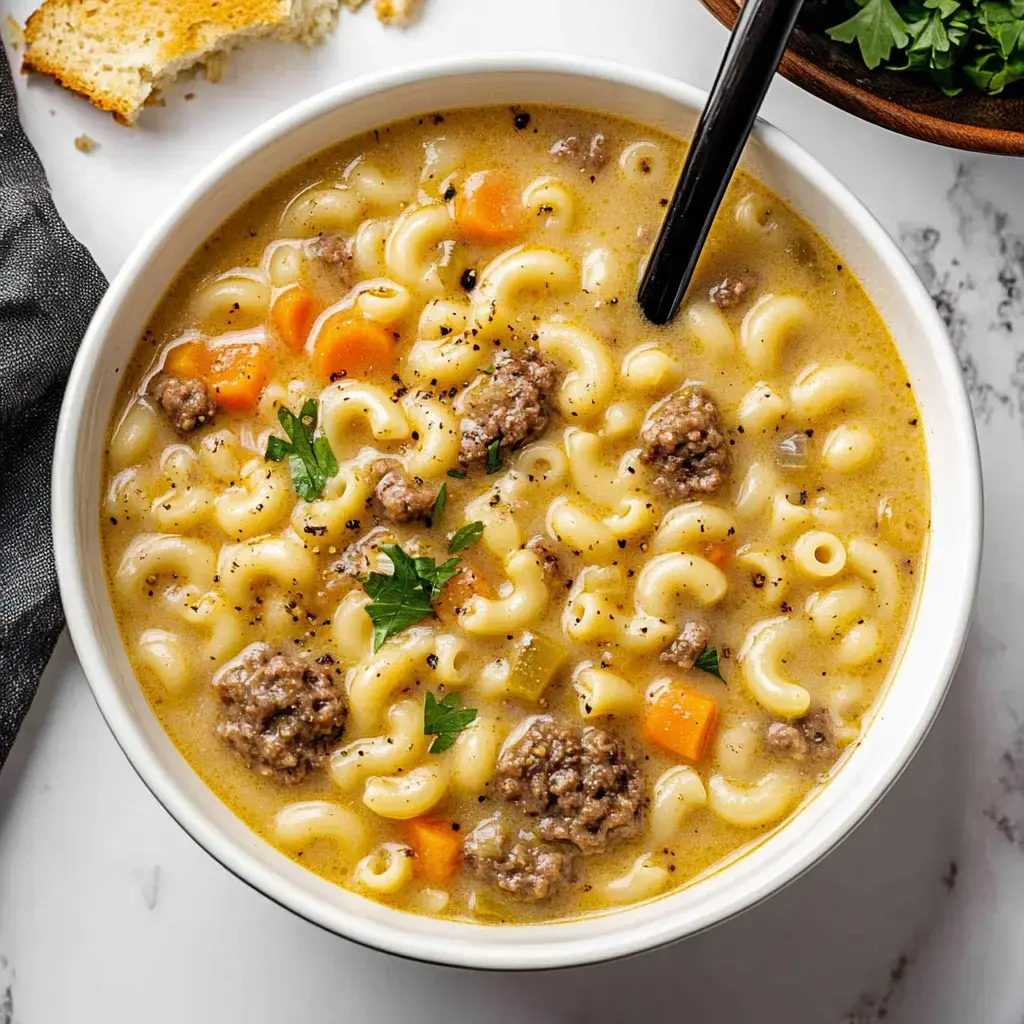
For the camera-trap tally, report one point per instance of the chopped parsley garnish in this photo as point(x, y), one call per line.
point(403, 598)
point(310, 459)
point(444, 719)
point(707, 661)
point(957, 43)
point(439, 503)
point(435, 576)
point(494, 463)
point(464, 536)
point(457, 474)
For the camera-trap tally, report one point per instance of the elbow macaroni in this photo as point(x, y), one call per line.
point(761, 659)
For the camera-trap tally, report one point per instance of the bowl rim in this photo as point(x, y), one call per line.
point(70, 550)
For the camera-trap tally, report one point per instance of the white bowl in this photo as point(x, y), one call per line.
point(913, 697)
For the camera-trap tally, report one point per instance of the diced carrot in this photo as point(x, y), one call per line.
point(436, 848)
point(292, 316)
point(238, 374)
point(352, 346)
point(488, 209)
point(456, 594)
point(718, 554)
point(681, 721)
point(188, 361)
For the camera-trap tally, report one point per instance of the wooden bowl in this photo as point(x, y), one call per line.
point(907, 104)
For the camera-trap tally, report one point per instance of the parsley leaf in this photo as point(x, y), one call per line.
point(464, 536)
point(434, 577)
point(396, 601)
point(707, 661)
point(403, 598)
point(310, 460)
point(1004, 25)
point(457, 474)
point(439, 503)
point(494, 462)
point(992, 74)
point(444, 719)
point(877, 28)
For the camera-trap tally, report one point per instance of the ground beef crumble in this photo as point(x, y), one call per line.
point(404, 499)
point(333, 251)
point(587, 155)
point(688, 646)
point(682, 442)
point(728, 292)
point(282, 715)
point(584, 789)
point(517, 864)
point(809, 737)
point(509, 405)
point(187, 403)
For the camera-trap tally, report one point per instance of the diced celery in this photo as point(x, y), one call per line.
point(534, 664)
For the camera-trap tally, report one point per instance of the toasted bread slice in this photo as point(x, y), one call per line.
point(118, 53)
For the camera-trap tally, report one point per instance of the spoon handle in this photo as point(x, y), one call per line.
point(754, 51)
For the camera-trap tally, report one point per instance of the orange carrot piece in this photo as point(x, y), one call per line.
point(188, 361)
point(488, 209)
point(456, 594)
point(292, 316)
point(681, 721)
point(436, 848)
point(718, 554)
point(238, 374)
point(352, 346)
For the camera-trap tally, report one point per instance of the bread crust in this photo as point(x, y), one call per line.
point(117, 53)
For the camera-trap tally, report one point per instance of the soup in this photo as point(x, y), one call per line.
point(460, 583)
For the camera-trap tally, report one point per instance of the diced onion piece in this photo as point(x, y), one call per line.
point(791, 452)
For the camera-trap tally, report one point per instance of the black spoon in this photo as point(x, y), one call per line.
point(754, 51)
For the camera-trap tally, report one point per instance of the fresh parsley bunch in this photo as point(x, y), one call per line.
point(958, 43)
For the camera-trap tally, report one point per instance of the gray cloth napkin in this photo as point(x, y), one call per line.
point(49, 288)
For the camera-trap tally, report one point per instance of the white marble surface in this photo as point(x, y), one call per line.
point(108, 912)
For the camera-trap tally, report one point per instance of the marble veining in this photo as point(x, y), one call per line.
point(880, 1004)
point(150, 882)
point(1006, 812)
point(6, 991)
point(975, 279)
point(874, 1007)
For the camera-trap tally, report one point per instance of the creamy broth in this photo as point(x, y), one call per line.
point(798, 568)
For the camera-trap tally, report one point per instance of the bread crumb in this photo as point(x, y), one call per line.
point(213, 69)
point(190, 95)
point(396, 12)
point(14, 32)
point(85, 144)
